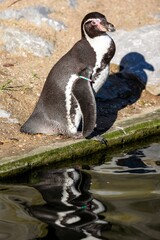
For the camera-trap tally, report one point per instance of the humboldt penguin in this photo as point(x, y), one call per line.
point(69, 92)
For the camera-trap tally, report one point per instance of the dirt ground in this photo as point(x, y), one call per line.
point(22, 77)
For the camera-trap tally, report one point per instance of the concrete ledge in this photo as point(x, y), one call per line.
point(122, 133)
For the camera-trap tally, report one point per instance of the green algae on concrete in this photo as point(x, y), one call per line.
point(73, 151)
point(133, 133)
point(128, 131)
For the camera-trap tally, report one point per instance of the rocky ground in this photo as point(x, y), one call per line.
point(23, 72)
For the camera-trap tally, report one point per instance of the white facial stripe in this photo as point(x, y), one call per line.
point(72, 128)
point(93, 19)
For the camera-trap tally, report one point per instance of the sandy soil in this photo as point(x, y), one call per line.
point(22, 77)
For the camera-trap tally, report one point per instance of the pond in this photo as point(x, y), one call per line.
point(119, 198)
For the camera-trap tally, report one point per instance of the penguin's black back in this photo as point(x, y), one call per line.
point(51, 105)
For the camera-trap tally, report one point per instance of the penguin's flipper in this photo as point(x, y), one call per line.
point(82, 90)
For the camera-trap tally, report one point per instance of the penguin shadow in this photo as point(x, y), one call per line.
point(133, 163)
point(70, 211)
point(121, 89)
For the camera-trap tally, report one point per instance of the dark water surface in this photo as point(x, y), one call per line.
point(117, 199)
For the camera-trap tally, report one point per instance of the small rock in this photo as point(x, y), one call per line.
point(137, 52)
point(8, 65)
point(7, 115)
point(4, 114)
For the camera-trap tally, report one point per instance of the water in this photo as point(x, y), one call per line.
point(117, 199)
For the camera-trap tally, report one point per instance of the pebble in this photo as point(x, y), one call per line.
point(73, 3)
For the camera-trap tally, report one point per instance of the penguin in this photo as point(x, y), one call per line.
point(69, 92)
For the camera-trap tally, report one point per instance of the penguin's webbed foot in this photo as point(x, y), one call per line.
point(101, 139)
point(98, 138)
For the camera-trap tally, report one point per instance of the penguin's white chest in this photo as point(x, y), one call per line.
point(100, 45)
point(100, 80)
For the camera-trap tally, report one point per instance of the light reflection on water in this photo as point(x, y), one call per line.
point(119, 199)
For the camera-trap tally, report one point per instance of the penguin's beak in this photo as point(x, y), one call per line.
point(106, 26)
point(110, 27)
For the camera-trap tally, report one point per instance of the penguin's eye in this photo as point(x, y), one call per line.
point(94, 23)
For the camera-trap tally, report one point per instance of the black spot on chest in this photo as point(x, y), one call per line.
point(106, 59)
point(109, 55)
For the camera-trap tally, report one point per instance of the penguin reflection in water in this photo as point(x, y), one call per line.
point(68, 94)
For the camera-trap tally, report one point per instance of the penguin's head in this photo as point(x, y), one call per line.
point(95, 24)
